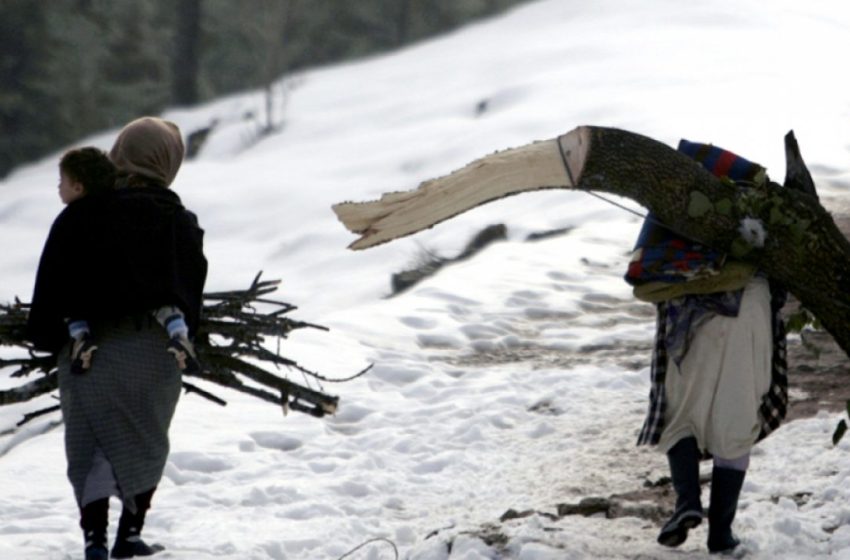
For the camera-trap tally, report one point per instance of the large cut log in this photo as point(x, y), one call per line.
point(784, 231)
point(527, 168)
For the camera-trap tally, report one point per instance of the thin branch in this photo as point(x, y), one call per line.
point(29, 391)
point(189, 388)
point(320, 377)
point(226, 378)
point(33, 415)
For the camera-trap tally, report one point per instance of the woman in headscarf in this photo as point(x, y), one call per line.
point(113, 263)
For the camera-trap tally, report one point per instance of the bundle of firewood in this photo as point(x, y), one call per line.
point(231, 347)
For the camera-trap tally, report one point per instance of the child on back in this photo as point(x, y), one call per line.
point(86, 172)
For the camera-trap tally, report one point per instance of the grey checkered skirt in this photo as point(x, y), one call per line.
point(123, 405)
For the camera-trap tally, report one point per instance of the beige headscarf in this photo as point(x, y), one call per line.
point(151, 147)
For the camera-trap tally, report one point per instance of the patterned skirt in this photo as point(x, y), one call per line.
point(120, 409)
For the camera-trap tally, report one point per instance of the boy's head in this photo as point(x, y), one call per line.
point(84, 171)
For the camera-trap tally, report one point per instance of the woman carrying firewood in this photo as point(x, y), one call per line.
point(113, 262)
point(719, 379)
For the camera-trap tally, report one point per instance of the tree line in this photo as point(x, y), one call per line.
point(69, 68)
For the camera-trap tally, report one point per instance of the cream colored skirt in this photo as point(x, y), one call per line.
point(716, 394)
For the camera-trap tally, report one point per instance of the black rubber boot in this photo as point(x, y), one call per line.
point(684, 470)
point(725, 488)
point(94, 518)
point(128, 541)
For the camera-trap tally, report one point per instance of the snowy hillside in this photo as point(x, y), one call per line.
point(513, 380)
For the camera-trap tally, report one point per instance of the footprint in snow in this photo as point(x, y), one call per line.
point(351, 414)
point(276, 440)
point(321, 467)
point(541, 430)
point(353, 489)
point(397, 374)
point(418, 322)
point(482, 332)
point(199, 462)
point(439, 341)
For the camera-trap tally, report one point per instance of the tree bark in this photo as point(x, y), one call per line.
point(801, 246)
point(402, 23)
point(186, 60)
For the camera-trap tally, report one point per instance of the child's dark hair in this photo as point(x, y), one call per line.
point(90, 167)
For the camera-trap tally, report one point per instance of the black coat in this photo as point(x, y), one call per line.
point(121, 253)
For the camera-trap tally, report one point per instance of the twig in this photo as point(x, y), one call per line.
point(327, 403)
point(341, 379)
point(370, 541)
point(30, 390)
point(33, 415)
point(189, 388)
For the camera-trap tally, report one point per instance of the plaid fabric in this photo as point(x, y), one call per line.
point(650, 434)
point(774, 404)
point(660, 255)
point(677, 319)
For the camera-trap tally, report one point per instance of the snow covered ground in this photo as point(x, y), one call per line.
point(513, 380)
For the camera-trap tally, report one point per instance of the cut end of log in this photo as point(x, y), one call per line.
point(574, 147)
point(546, 164)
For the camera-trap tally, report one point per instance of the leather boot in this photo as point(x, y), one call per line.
point(725, 488)
point(684, 470)
point(128, 541)
point(94, 518)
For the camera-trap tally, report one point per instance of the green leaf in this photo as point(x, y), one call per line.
point(798, 230)
point(840, 430)
point(740, 248)
point(699, 205)
point(799, 320)
point(723, 207)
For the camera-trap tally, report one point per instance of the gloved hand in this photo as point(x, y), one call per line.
point(184, 353)
point(82, 352)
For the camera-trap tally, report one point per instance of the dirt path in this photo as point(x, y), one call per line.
point(818, 375)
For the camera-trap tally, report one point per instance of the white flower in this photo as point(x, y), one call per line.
point(753, 232)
